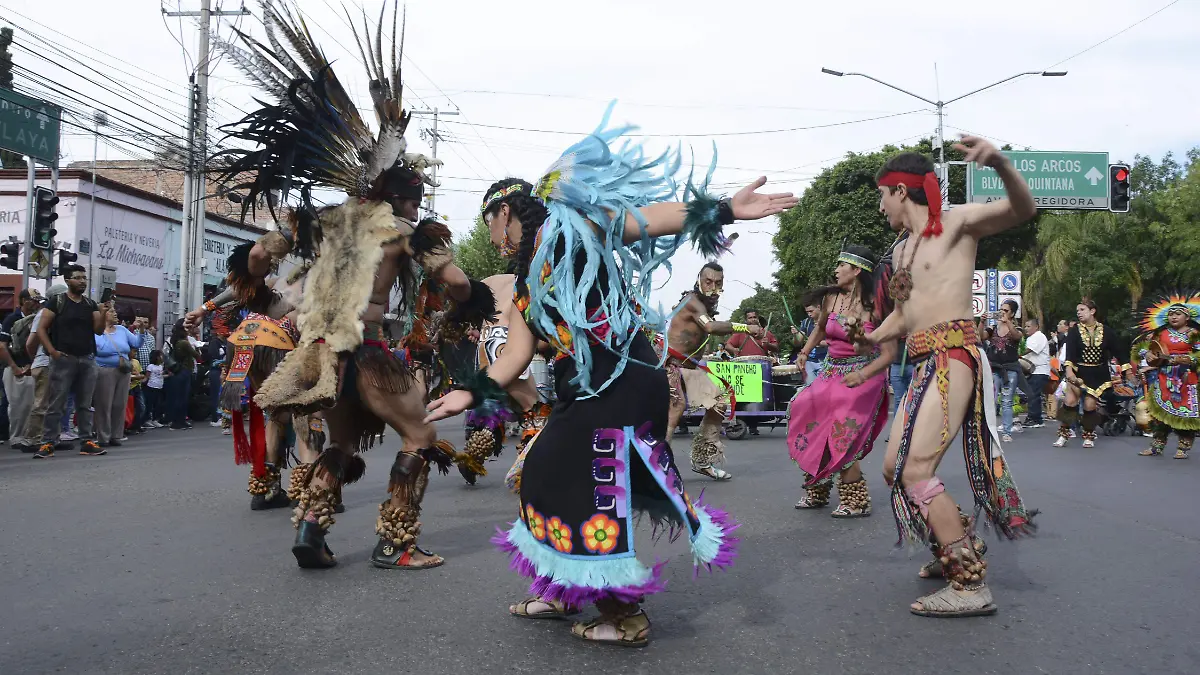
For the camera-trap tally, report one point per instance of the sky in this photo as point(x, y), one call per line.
point(746, 76)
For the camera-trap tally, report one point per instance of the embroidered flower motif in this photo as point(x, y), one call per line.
point(537, 523)
point(560, 535)
point(602, 330)
point(600, 534)
point(563, 342)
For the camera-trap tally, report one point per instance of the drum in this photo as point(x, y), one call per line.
point(786, 369)
point(539, 372)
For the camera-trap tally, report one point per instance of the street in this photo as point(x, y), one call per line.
point(149, 560)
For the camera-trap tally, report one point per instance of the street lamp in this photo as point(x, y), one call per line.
point(99, 119)
point(943, 174)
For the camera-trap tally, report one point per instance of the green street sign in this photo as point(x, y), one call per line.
point(1058, 180)
point(29, 126)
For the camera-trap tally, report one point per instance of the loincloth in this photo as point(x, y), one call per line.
point(994, 491)
point(694, 387)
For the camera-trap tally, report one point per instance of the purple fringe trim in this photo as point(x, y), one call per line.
point(728, 548)
point(576, 596)
point(490, 414)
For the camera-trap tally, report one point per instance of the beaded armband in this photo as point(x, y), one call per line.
point(741, 328)
point(210, 306)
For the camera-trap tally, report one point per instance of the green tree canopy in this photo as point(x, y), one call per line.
point(475, 254)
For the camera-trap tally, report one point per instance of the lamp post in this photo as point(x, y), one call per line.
point(943, 174)
point(99, 119)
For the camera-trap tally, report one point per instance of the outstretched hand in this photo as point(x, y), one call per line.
point(980, 150)
point(193, 318)
point(449, 405)
point(749, 204)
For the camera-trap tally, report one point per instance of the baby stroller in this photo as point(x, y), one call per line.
point(1118, 406)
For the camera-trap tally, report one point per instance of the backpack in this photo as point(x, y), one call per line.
point(20, 335)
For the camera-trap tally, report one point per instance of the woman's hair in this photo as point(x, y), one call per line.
point(1012, 306)
point(532, 214)
point(156, 356)
point(866, 282)
point(177, 331)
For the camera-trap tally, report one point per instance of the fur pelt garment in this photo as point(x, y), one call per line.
point(337, 291)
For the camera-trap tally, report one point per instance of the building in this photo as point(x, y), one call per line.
point(125, 224)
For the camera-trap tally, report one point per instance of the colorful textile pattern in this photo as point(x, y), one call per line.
point(258, 330)
point(994, 491)
point(1088, 351)
point(830, 425)
point(1171, 384)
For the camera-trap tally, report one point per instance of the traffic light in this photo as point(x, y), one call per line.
point(44, 201)
point(9, 252)
point(1118, 188)
point(65, 258)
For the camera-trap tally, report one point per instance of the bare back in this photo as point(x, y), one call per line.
point(385, 277)
point(494, 336)
point(941, 273)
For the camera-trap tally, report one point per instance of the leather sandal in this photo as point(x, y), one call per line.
point(555, 609)
point(628, 631)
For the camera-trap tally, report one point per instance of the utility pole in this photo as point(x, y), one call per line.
point(191, 276)
point(943, 169)
point(99, 119)
point(433, 138)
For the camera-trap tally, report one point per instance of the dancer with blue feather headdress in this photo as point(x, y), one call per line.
point(587, 239)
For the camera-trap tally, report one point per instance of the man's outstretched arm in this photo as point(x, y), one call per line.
point(984, 220)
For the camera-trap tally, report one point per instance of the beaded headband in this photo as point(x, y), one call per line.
point(500, 194)
point(857, 261)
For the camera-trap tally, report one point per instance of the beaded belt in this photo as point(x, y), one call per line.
point(941, 338)
point(844, 366)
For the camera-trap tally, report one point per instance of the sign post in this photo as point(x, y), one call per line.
point(1058, 180)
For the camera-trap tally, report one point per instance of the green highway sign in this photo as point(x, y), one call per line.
point(29, 126)
point(1058, 180)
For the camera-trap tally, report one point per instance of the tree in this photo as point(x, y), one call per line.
point(8, 159)
point(842, 205)
point(476, 255)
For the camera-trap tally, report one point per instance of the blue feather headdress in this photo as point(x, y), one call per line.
point(593, 183)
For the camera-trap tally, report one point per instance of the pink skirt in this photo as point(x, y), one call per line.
point(832, 425)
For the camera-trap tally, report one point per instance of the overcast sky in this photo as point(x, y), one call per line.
point(694, 68)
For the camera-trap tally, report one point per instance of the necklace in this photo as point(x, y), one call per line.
point(901, 284)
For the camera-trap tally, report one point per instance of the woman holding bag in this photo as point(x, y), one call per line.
point(112, 379)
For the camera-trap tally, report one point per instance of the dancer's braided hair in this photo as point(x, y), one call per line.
point(531, 212)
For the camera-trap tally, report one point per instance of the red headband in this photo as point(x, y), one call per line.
point(933, 193)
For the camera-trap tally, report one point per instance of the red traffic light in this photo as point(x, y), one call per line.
point(1122, 174)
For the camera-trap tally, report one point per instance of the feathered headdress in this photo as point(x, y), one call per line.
point(595, 184)
point(1154, 313)
point(312, 135)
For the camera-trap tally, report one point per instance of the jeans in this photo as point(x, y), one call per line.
point(901, 377)
point(37, 414)
point(214, 391)
point(178, 393)
point(1037, 383)
point(70, 375)
point(68, 411)
point(154, 403)
point(139, 406)
point(1005, 384)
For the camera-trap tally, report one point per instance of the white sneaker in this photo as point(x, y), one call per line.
point(1073, 434)
point(1005, 438)
point(69, 436)
point(1017, 428)
point(1060, 442)
point(1089, 443)
point(227, 432)
point(214, 424)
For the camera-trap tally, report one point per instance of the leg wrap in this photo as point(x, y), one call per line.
point(337, 468)
point(409, 478)
point(962, 565)
point(398, 524)
point(818, 495)
point(854, 495)
point(1067, 417)
point(480, 445)
point(921, 494)
point(1091, 420)
point(298, 480)
point(705, 452)
point(261, 485)
point(1185, 440)
point(316, 506)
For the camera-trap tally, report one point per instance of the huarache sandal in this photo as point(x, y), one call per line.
point(388, 556)
point(952, 604)
point(712, 472)
point(537, 608)
point(843, 511)
point(628, 631)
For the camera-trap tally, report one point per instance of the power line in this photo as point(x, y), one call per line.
point(712, 134)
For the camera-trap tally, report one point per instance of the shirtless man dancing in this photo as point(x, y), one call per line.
point(690, 386)
point(930, 286)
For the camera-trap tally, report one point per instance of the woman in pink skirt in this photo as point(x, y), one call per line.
point(834, 421)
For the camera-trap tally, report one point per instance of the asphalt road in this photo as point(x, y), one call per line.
point(149, 560)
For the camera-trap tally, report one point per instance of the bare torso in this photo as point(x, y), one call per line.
point(685, 333)
point(941, 274)
point(494, 335)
